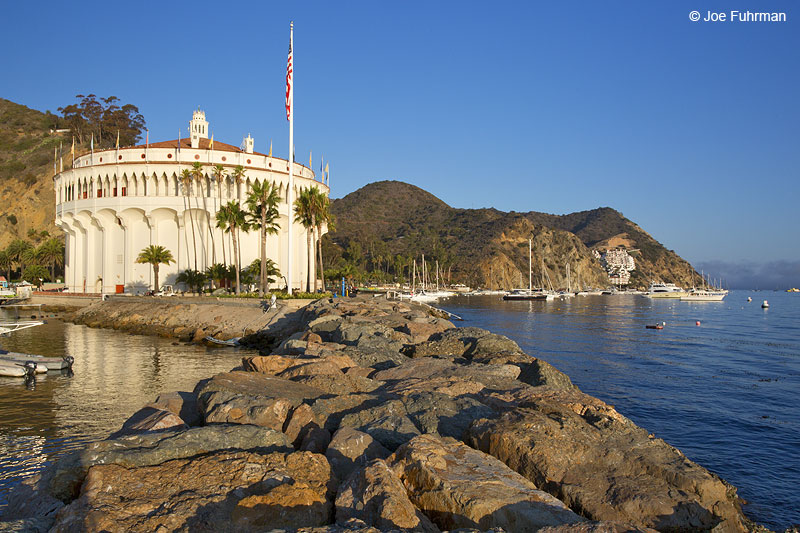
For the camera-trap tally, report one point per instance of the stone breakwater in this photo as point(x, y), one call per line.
point(370, 415)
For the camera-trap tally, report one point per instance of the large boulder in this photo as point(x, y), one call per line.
point(429, 368)
point(458, 487)
point(226, 492)
point(183, 404)
point(387, 423)
point(350, 449)
point(374, 495)
point(596, 460)
point(150, 418)
point(251, 398)
point(153, 448)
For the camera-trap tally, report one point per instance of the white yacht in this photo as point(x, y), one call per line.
point(704, 295)
point(664, 290)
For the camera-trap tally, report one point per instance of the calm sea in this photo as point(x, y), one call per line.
point(115, 374)
point(726, 392)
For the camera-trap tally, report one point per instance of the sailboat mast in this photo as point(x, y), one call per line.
point(414, 277)
point(530, 265)
point(423, 272)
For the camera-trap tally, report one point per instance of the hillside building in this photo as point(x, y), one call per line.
point(115, 202)
point(618, 265)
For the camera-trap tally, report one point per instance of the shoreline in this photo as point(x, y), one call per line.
point(390, 374)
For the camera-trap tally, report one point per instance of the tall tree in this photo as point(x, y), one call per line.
point(238, 176)
point(262, 202)
point(17, 251)
point(6, 262)
point(219, 177)
point(322, 215)
point(304, 214)
point(186, 181)
point(52, 251)
point(199, 176)
point(155, 255)
point(231, 218)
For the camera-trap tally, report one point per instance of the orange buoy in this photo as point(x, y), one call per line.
point(697, 323)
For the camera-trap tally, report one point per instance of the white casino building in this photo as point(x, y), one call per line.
point(115, 202)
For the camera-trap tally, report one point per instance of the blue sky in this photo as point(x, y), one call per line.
point(690, 129)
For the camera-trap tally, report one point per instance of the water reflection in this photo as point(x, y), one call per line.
point(114, 374)
point(723, 392)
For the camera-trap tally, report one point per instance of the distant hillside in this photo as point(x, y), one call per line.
point(389, 220)
point(27, 200)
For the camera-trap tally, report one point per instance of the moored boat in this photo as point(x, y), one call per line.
point(664, 290)
point(704, 295)
point(528, 294)
point(47, 363)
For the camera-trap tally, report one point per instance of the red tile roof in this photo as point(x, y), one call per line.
point(204, 145)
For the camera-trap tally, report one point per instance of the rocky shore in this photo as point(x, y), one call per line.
point(368, 415)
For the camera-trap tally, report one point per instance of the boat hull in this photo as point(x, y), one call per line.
point(525, 297)
point(46, 363)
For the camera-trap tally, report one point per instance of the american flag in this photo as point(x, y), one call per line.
point(289, 85)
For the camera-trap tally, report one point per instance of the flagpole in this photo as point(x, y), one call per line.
point(290, 79)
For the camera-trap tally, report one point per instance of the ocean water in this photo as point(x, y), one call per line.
point(115, 374)
point(726, 392)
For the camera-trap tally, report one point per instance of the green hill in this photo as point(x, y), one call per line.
point(27, 199)
point(382, 223)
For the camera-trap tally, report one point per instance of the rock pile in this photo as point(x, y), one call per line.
point(377, 416)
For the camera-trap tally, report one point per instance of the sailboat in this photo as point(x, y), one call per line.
point(529, 293)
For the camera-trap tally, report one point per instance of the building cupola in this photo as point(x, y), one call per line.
point(198, 127)
point(248, 144)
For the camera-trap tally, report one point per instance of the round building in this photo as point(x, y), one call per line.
point(115, 202)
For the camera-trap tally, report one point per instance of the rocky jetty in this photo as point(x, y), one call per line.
point(371, 415)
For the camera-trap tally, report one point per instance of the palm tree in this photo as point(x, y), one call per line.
point(35, 273)
point(262, 201)
point(238, 178)
point(199, 175)
point(186, 180)
point(155, 255)
point(231, 218)
point(217, 272)
point(17, 250)
point(304, 214)
point(272, 270)
point(219, 176)
point(6, 262)
point(52, 251)
point(193, 278)
point(322, 215)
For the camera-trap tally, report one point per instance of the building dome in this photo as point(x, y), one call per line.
point(113, 203)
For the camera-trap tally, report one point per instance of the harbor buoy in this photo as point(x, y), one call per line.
point(749, 299)
point(697, 323)
point(765, 305)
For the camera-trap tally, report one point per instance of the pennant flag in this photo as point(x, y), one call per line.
point(73, 151)
point(179, 140)
point(91, 144)
point(289, 70)
point(117, 139)
point(270, 148)
point(60, 156)
point(211, 144)
point(328, 172)
point(309, 159)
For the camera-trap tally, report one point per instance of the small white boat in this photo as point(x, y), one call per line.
point(48, 363)
point(11, 327)
point(230, 342)
point(704, 295)
point(20, 370)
